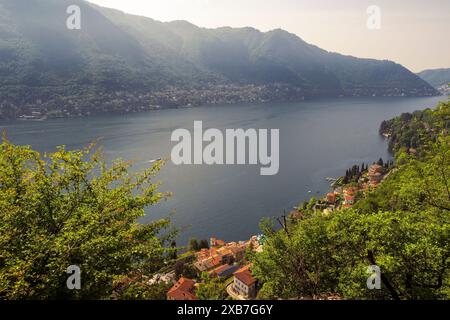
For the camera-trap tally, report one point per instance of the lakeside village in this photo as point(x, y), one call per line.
point(227, 262)
point(84, 103)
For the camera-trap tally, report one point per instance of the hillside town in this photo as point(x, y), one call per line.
point(123, 102)
point(224, 261)
point(444, 89)
point(227, 261)
point(349, 189)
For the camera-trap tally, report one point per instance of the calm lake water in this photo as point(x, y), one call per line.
point(318, 139)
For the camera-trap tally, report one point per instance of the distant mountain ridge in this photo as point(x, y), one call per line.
point(436, 77)
point(122, 63)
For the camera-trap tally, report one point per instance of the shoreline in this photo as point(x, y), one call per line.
point(38, 116)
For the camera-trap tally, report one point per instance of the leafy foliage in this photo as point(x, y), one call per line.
point(70, 208)
point(413, 130)
point(137, 287)
point(403, 227)
point(211, 288)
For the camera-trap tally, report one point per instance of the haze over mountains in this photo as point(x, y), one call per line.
point(124, 63)
point(436, 77)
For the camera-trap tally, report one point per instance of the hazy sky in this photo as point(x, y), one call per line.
point(414, 33)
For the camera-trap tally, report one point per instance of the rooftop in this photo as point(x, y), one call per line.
point(183, 290)
point(245, 276)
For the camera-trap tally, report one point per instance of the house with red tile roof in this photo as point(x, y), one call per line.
point(216, 242)
point(208, 259)
point(349, 191)
point(349, 200)
point(183, 290)
point(237, 250)
point(375, 175)
point(331, 198)
point(208, 263)
point(376, 168)
point(244, 283)
point(226, 255)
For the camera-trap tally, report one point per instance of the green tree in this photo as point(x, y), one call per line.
point(183, 269)
point(411, 250)
point(211, 288)
point(204, 244)
point(297, 262)
point(71, 208)
point(194, 245)
point(311, 203)
point(403, 227)
point(137, 287)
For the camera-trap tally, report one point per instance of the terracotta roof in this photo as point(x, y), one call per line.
point(247, 267)
point(245, 277)
point(376, 174)
point(237, 249)
point(221, 268)
point(224, 251)
point(349, 191)
point(216, 260)
point(216, 242)
point(182, 295)
point(376, 168)
point(224, 269)
point(209, 263)
point(183, 290)
point(331, 197)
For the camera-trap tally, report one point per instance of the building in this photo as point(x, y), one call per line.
point(162, 278)
point(226, 255)
point(244, 283)
point(208, 263)
point(375, 175)
point(331, 198)
point(349, 191)
point(224, 271)
point(238, 250)
point(256, 243)
point(213, 242)
point(229, 253)
point(350, 200)
point(183, 290)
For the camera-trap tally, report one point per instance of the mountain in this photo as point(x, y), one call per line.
point(436, 77)
point(122, 63)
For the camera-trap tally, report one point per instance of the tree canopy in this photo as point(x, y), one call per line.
point(72, 208)
point(403, 227)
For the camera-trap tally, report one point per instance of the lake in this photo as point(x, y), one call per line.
point(318, 139)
